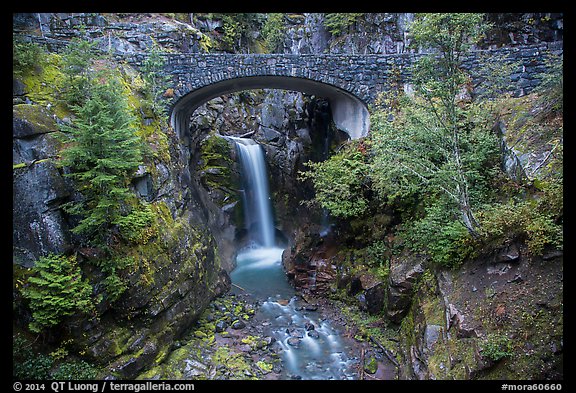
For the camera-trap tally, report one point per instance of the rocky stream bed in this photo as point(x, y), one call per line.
point(234, 340)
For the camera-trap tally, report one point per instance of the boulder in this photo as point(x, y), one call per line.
point(509, 253)
point(18, 88)
point(404, 272)
point(374, 292)
point(294, 341)
point(29, 120)
point(238, 324)
point(221, 326)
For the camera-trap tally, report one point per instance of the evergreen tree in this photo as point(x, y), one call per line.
point(155, 82)
point(102, 156)
point(56, 290)
point(77, 59)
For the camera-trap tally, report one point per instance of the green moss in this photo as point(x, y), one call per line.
point(45, 82)
point(216, 168)
point(430, 302)
point(162, 354)
point(407, 327)
point(453, 359)
point(153, 373)
point(231, 365)
point(253, 341)
point(36, 116)
point(264, 366)
point(120, 340)
point(215, 149)
point(371, 365)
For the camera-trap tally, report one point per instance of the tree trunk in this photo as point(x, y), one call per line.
point(468, 218)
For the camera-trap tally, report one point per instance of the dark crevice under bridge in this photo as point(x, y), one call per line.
point(349, 82)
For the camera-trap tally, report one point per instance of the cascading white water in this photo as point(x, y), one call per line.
point(310, 355)
point(258, 210)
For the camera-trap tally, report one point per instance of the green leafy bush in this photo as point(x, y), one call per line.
point(523, 220)
point(75, 370)
point(496, 347)
point(274, 32)
point(137, 226)
point(113, 283)
point(56, 290)
point(238, 27)
point(38, 366)
point(29, 365)
point(114, 286)
point(340, 182)
point(445, 240)
point(552, 86)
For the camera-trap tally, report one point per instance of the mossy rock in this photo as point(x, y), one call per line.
point(371, 365)
point(30, 119)
point(44, 85)
point(264, 366)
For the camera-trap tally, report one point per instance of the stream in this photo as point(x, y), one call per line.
point(311, 347)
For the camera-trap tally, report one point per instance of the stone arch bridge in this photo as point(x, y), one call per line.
point(349, 82)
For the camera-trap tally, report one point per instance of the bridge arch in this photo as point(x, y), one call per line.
point(350, 113)
point(349, 82)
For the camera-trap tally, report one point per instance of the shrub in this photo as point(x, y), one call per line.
point(136, 227)
point(274, 32)
point(445, 240)
point(496, 347)
point(534, 221)
point(113, 283)
point(28, 365)
point(75, 370)
point(340, 182)
point(338, 23)
point(552, 86)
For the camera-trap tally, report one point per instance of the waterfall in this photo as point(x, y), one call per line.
point(306, 353)
point(257, 206)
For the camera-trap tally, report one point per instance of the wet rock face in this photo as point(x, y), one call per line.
point(177, 277)
point(524, 28)
point(373, 33)
point(39, 187)
point(132, 34)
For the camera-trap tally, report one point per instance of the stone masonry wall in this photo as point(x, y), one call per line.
point(362, 75)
